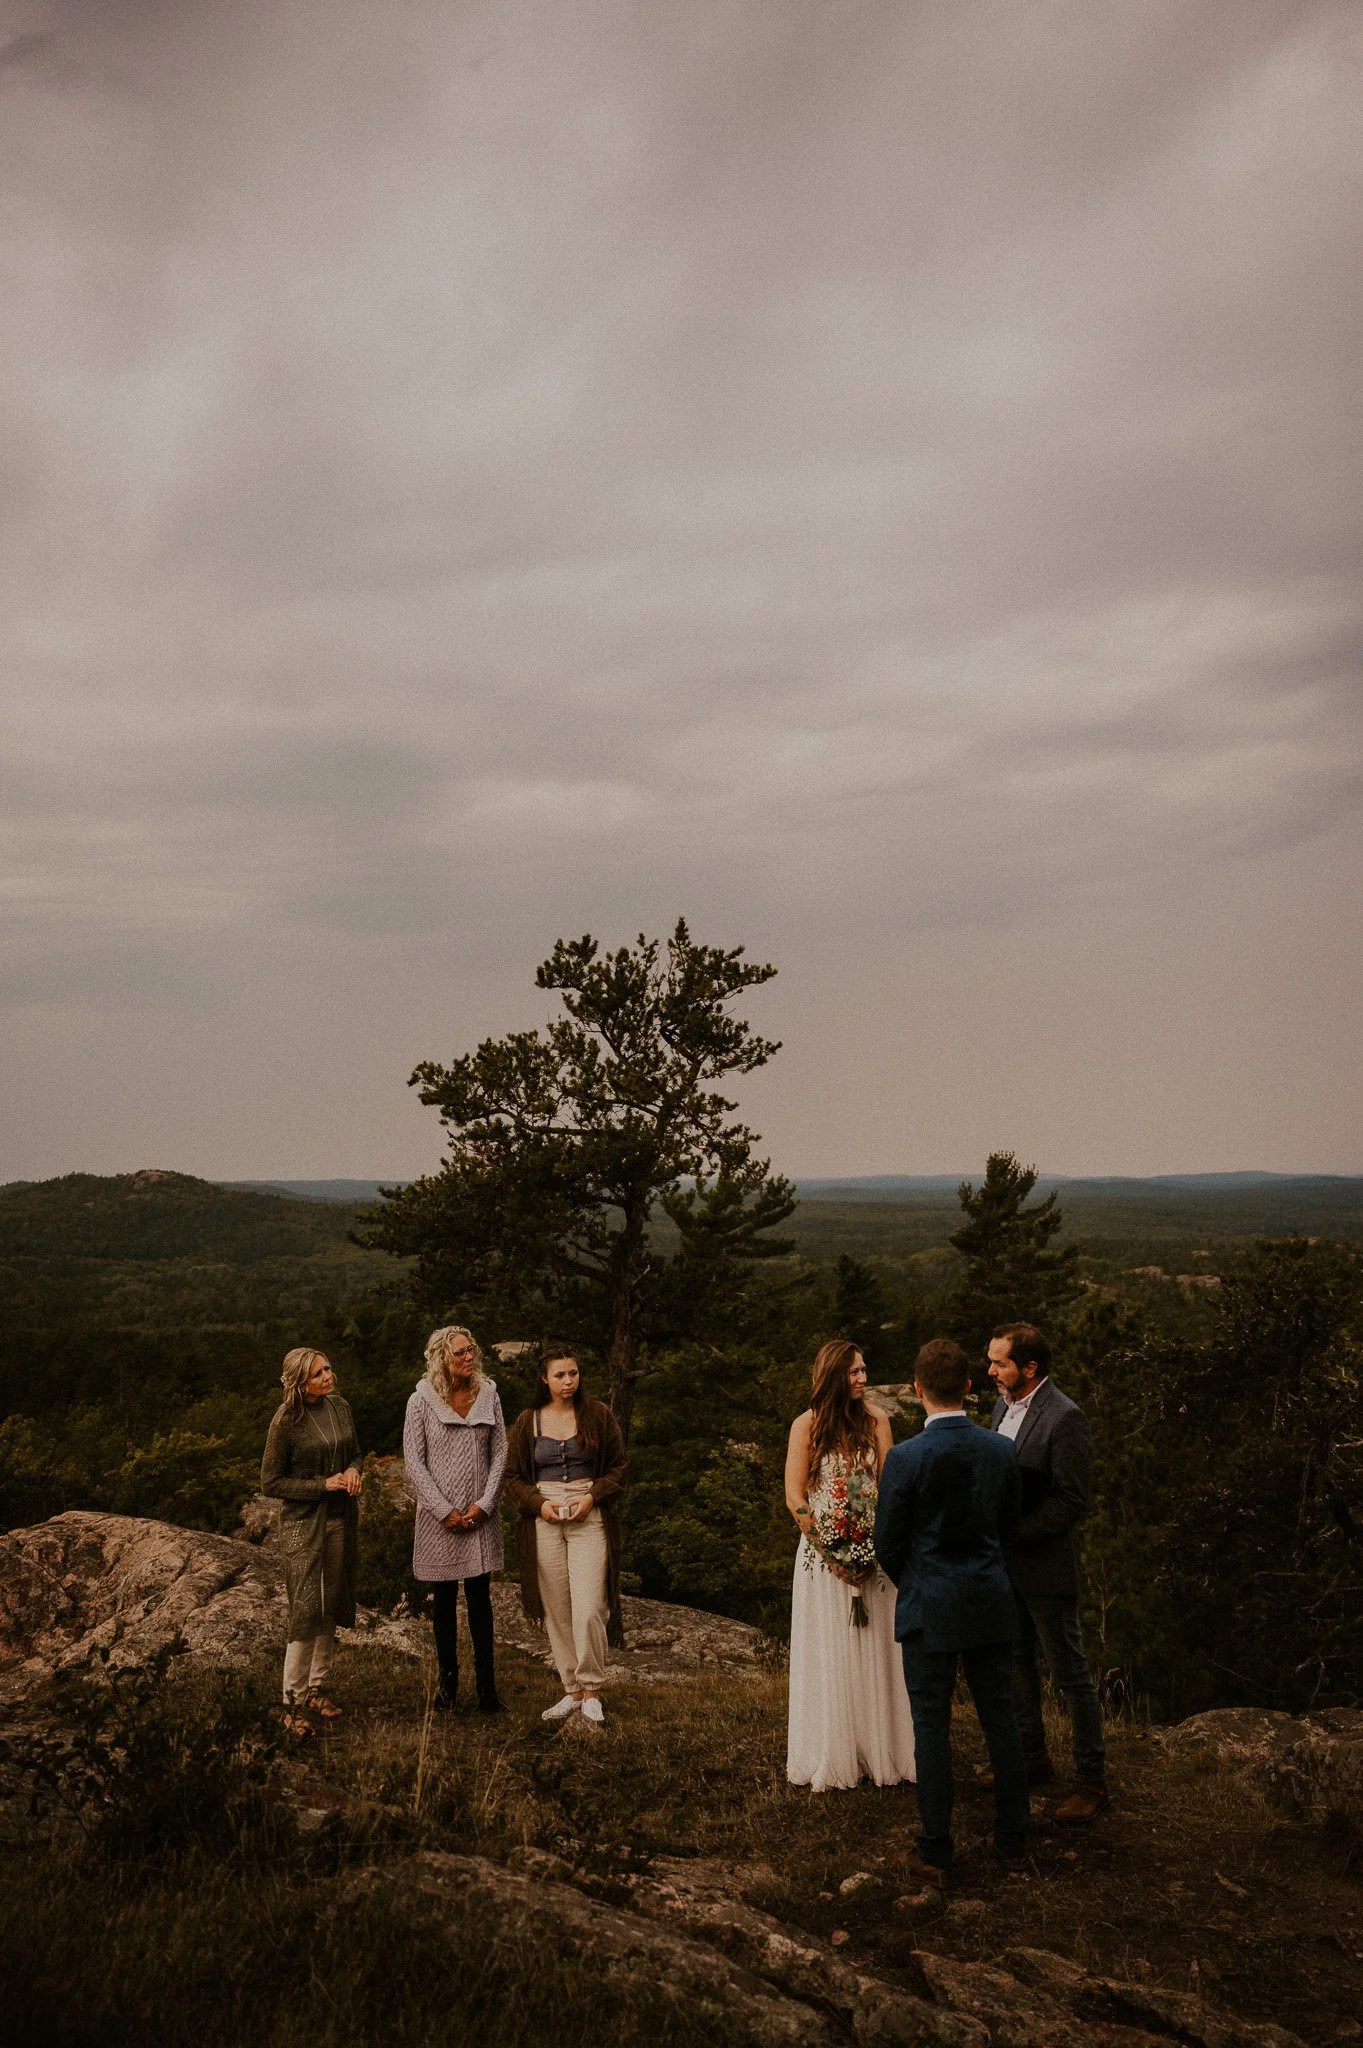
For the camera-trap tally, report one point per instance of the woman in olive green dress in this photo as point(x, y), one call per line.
point(312, 1465)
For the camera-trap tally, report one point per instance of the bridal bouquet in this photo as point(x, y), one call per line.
point(843, 1523)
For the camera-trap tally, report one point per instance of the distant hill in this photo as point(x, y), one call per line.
point(1106, 1187)
point(358, 1193)
point(158, 1215)
point(1165, 1218)
point(128, 1299)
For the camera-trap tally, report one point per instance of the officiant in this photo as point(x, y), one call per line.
point(1054, 1447)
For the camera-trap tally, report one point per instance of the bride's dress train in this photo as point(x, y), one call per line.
point(849, 1710)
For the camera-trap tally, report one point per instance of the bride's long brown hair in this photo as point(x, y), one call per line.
point(840, 1423)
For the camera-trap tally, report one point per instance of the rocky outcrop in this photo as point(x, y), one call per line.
point(685, 1935)
point(86, 1590)
point(1311, 1765)
point(661, 1641)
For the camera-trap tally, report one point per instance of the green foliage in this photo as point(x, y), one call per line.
point(705, 1507)
point(38, 1477)
point(157, 1763)
point(858, 1302)
point(188, 1479)
point(563, 1145)
point(143, 1307)
point(1012, 1273)
point(1225, 1550)
point(731, 1540)
point(385, 1562)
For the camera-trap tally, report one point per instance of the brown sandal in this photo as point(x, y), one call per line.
point(318, 1703)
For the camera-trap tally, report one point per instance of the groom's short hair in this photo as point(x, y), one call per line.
point(1026, 1346)
point(942, 1370)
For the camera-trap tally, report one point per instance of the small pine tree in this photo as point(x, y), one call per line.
point(1013, 1275)
point(859, 1306)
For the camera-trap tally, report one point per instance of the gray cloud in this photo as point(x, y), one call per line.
point(882, 481)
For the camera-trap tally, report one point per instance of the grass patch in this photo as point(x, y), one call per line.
point(220, 1961)
point(1189, 1881)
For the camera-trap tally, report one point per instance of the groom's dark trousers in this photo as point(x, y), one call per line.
point(945, 1498)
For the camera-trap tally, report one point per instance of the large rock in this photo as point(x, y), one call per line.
point(661, 1641)
point(85, 1589)
point(688, 1937)
point(1311, 1765)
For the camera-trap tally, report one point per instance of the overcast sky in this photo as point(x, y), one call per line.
point(879, 479)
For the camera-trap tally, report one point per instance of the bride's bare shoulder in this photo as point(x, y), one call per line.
point(799, 1429)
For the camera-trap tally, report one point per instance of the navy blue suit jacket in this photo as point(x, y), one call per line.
point(946, 1498)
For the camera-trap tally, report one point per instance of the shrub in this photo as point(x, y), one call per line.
point(38, 1477)
point(385, 1564)
point(191, 1480)
point(157, 1762)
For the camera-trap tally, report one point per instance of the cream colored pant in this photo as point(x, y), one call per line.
point(307, 1662)
point(572, 1574)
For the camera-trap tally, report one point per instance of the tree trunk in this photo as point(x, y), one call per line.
point(623, 1380)
point(622, 1358)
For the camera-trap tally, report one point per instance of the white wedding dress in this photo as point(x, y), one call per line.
point(849, 1710)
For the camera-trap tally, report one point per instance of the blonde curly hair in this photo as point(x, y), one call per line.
point(439, 1345)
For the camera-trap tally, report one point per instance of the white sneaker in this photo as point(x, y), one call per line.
point(592, 1710)
point(567, 1705)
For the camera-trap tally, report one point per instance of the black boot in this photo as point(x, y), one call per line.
point(478, 1599)
point(445, 1622)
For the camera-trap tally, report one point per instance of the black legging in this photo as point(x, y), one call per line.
point(478, 1598)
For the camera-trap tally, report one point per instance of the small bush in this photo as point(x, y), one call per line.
point(190, 1480)
point(38, 1477)
point(158, 1763)
point(385, 1563)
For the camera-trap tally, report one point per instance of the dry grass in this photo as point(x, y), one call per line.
point(1188, 1880)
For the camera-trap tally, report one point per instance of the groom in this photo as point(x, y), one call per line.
point(946, 1496)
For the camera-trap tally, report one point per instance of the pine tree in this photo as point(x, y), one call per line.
point(1013, 1275)
point(859, 1306)
point(565, 1145)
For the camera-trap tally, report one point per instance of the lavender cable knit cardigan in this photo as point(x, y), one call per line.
point(455, 1461)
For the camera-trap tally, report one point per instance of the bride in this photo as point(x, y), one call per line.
point(849, 1711)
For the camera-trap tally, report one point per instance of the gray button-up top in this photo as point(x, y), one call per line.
point(454, 1461)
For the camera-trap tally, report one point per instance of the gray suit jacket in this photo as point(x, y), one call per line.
point(1055, 1452)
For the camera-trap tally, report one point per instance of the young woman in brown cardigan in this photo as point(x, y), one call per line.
point(565, 1472)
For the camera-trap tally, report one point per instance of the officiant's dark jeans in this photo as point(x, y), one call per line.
point(445, 1619)
point(1050, 1622)
point(930, 1676)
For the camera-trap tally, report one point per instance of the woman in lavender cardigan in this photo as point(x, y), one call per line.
point(454, 1448)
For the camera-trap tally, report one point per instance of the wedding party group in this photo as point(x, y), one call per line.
point(953, 1551)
